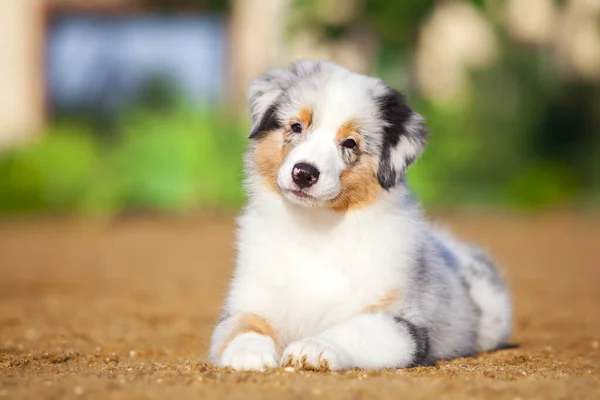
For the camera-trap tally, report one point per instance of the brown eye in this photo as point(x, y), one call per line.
point(349, 144)
point(296, 128)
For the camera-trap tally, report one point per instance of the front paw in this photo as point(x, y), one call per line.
point(250, 352)
point(314, 354)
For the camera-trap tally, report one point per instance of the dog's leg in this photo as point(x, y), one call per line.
point(245, 342)
point(369, 341)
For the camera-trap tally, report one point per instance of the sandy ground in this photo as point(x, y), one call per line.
point(125, 309)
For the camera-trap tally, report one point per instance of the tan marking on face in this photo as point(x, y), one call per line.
point(305, 117)
point(269, 153)
point(348, 130)
point(271, 150)
point(252, 323)
point(359, 186)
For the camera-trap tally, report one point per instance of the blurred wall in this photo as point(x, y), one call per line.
point(256, 30)
point(21, 69)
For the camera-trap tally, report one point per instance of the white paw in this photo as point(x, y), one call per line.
point(250, 352)
point(314, 354)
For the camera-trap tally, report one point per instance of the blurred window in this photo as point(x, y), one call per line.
point(104, 62)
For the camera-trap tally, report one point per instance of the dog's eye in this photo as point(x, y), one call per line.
point(349, 144)
point(296, 128)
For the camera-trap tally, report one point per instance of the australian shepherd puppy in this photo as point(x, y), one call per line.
point(336, 266)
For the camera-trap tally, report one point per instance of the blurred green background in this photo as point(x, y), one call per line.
point(514, 110)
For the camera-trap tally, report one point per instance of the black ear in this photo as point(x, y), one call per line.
point(268, 122)
point(264, 96)
point(404, 137)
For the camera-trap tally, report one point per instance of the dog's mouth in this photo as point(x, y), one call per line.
point(301, 194)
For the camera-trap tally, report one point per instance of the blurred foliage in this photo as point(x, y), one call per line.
point(394, 22)
point(176, 160)
point(524, 139)
point(175, 5)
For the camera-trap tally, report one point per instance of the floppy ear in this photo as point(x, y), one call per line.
point(266, 93)
point(404, 137)
point(263, 99)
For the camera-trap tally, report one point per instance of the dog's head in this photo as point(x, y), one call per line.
point(325, 136)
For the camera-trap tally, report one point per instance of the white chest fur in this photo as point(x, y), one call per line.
point(305, 270)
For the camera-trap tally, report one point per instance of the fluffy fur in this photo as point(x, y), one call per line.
point(346, 273)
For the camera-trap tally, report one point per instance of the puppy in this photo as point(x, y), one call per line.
point(336, 267)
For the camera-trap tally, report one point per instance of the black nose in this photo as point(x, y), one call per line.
point(305, 175)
